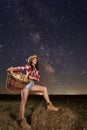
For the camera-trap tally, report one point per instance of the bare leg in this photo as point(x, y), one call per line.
point(42, 89)
point(24, 96)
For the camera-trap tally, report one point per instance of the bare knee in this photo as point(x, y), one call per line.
point(45, 89)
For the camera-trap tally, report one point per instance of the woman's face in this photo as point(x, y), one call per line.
point(34, 61)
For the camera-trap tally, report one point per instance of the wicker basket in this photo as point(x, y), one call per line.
point(16, 81)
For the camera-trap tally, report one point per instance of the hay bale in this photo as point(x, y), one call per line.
point(43, 119)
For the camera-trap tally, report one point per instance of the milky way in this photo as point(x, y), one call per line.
point(56, 31)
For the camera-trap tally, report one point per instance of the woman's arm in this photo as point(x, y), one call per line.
point(38, 75)
point(19, 68)
point(35, 76)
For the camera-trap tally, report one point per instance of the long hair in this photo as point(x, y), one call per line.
point(37, 65)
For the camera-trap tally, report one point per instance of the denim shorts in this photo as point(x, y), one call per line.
point(28, 86)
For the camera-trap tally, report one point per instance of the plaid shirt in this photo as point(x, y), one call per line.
point(29, 71)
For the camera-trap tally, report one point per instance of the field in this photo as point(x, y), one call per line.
point(71, 107)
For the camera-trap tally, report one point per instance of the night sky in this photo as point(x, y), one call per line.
point(56, 31)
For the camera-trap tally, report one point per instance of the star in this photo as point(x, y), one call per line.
point(53, 30)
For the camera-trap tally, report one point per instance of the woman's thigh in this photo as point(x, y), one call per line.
point(38, 88)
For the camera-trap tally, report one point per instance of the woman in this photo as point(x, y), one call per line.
point(32, 71)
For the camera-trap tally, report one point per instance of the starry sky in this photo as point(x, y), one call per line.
point(56, 31)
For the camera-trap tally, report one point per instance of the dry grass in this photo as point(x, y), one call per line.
point(43, 119)
point(71, 116)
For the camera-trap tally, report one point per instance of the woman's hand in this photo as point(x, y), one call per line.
point(33, 78)
point(10, 69)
